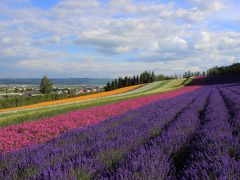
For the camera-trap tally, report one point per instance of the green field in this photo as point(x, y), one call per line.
point(13, 117)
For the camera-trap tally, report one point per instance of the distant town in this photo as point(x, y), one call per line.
point(13, 90)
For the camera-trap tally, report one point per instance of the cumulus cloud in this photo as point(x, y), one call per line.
point(213, 5)
point(113, 35)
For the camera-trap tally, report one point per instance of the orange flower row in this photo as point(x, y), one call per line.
point(92, 96)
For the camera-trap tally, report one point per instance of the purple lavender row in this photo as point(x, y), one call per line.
point(212, 150)
point(235, 89)
point(233, 101)
point(153, 160)
point(106, 154)
point(232, 97)
point(80, 153)
point(153, 123)
point(232, 85)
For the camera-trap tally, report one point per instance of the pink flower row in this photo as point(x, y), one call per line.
point(30, 133)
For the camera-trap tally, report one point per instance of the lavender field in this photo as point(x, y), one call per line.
point(195, 135)
point(119, 90)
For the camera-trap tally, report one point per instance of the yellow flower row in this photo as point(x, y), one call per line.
point(92, 96)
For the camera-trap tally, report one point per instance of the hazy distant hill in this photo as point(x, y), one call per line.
point(69, 81)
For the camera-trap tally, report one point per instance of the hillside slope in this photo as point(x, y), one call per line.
point(13, 117)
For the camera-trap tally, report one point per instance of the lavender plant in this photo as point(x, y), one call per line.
point(153, 160)
point(89, 152)
point(213, 146)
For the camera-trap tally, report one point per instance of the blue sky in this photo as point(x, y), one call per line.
point(45, 4)
point(111, 38)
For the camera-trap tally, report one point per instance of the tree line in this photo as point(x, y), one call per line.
point(189, 74)
point(145, 77)
point(215, 71)
point(149, 76)
point(224, 70)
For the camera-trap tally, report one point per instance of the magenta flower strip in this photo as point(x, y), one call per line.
point(31, 133)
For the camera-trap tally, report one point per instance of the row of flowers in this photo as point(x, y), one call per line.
point(92, 96)
point(40, 131)
point(100, 151)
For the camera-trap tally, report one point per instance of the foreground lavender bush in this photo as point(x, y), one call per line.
point(232, 98)
point(214, 145)
point(153, 159)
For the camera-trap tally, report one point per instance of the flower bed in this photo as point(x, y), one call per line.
point(43, 130)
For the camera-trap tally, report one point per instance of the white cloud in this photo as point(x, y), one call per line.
point(213, 5)
point(7, 40)
point(112, 36)
point(76, 4)
point(56, 39)
point(203, 41)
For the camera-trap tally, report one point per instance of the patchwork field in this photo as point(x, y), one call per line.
point(27, 114)
point(185, 133)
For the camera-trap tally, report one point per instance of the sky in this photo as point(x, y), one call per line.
point(112, 38)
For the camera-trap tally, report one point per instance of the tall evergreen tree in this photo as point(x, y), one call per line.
point(125, 81)
point(141, 80)
point(120, 82)
point(107, 87)
point(116, 83)
point(204, 73)
point(46, 85)
point(137, 80)
point(113, 86)
point(134, 80)
point(152, 77)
